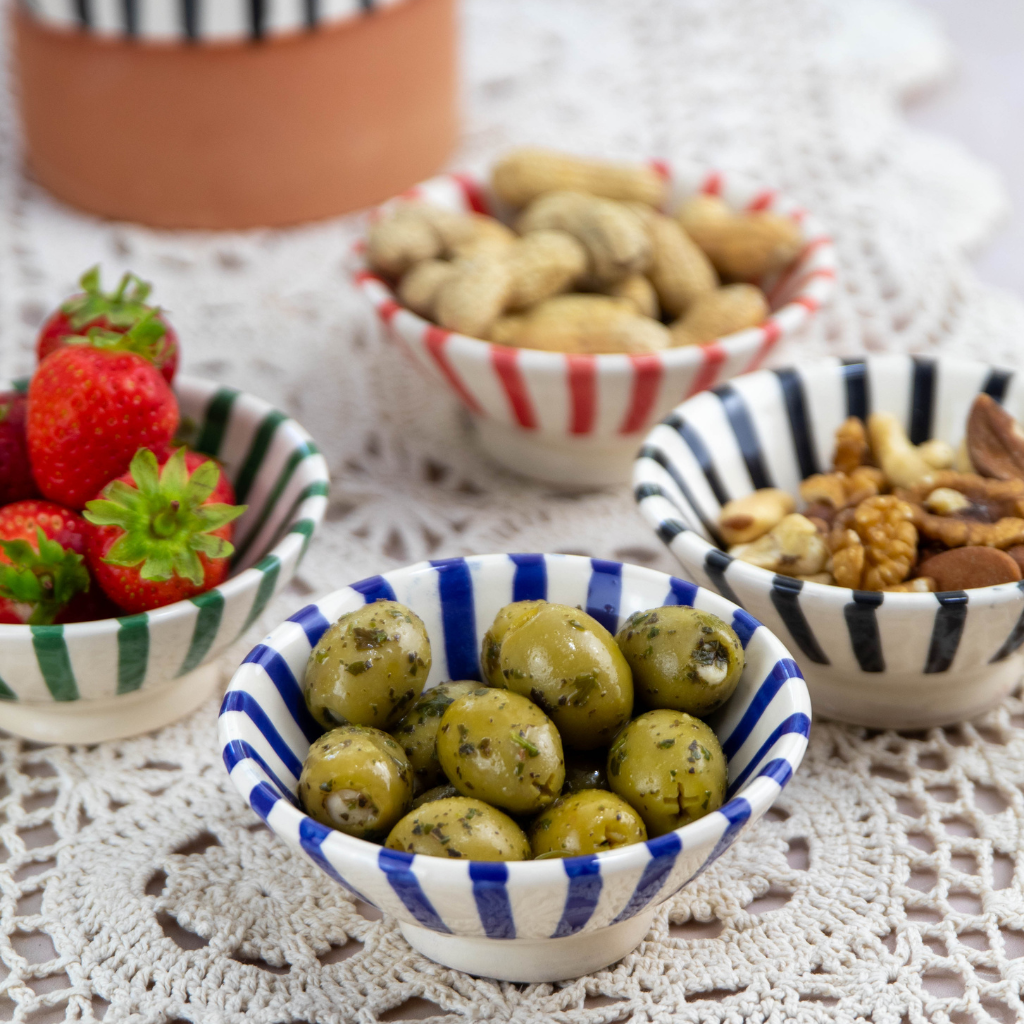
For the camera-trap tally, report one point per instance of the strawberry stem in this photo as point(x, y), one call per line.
point(165, 520)
point(45, 577)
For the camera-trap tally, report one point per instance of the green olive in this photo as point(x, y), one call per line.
point(505, 621)
point(500, 747)
point(586, 822)
point(682, 659)
point(669, 767)
point(368, 667)
point(568, 664)
point(437, 793)
point(460, 827)
point(417, 732)
point(585, 769)
point(356, 780)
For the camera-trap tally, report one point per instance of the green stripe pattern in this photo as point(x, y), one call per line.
point(257, 453)
point(271, 569)
point(54, 661)
point(6, 693)
point(211, 611)
point(215, 424)
point(132, 652)
point(270, 504)
point(306, 528)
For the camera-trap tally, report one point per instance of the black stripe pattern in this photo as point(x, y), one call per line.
point(863, 627)
point(657, 455)
point(858, 397)
point(786, 599)
point(715, 564)
point(996, 384)
point(746, 436)
point(922, 400)
point(700, 452)
point(799, 424)
point(947, 631)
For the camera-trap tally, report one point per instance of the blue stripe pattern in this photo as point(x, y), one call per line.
point(252, 742)
point(491, 895)
point(398, 868)
point(797, 722)
point(744, 626)
point(239, 750)
point(460, 643)
point(681, 592)
point(737, 814)
point(664, 851)
point(530, 582)
point(239, 700)
point(782, 671)
point(311, 838)
point(281, 676)
point(375, 588)
point(584, 892)
point(312, 621)
point(604, 593)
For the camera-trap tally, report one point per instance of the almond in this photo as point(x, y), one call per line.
point(995, 442)
point(970, 568)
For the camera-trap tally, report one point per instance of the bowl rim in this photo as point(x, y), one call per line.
point(664, 516)
point(815, 290)
point(233, 585)
point(757, 792)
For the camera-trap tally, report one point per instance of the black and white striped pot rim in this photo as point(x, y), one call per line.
point(200, 21)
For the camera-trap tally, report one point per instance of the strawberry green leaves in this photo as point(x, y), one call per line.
point(46, 579)
point(146, 338)
point(121, 308)
point(166, 521)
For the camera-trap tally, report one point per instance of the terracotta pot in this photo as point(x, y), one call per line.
point(241, 134)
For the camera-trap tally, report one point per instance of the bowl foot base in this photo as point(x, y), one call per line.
point(568, 462)
point(114, 718)
point(532, 960)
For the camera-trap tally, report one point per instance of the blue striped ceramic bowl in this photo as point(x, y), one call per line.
point(525, 921)
point(97, 680)
point(903, 661)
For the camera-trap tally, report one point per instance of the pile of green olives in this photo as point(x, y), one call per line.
point(576, 741)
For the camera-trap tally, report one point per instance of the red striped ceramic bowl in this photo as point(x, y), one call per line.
point(577, 420)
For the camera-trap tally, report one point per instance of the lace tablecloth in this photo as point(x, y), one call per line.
point(889, 883)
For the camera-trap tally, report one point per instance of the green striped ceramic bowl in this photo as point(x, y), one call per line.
point(117, 677)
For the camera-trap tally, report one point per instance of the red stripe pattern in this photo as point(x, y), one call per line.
point(436, 340)
point(647, 373)
point(582, 392)
point(506, 365)
point(713, 355)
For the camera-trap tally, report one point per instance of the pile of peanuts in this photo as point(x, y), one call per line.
point(894, 516)
point(591, 266)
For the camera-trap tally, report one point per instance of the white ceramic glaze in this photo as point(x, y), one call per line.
point(528, 920)
point(901, 661)
point(571, 419)
point(91, 681)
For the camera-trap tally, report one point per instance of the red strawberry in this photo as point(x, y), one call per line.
point(43, 578)
point(16, 480)
point(89, 411)
point(116, 312)
point(160, 535)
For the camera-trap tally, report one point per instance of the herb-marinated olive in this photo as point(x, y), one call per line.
point(356, 780)
point(437, 793)
point(500, 747)
point(368, 667)
point(586, 822)
point(460, 827)
point(682, 659)
point(568, 664)
point(505, 621)
point(585, 769)
point(669, 767)
point(417, 732)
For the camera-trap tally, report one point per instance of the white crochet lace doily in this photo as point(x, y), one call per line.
point(889, 883)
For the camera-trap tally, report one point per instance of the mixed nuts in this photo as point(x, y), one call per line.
point(895, 516)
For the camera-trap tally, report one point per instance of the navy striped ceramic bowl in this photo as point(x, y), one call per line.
point(116, 677)
point(883, 660)
point(533, 920)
